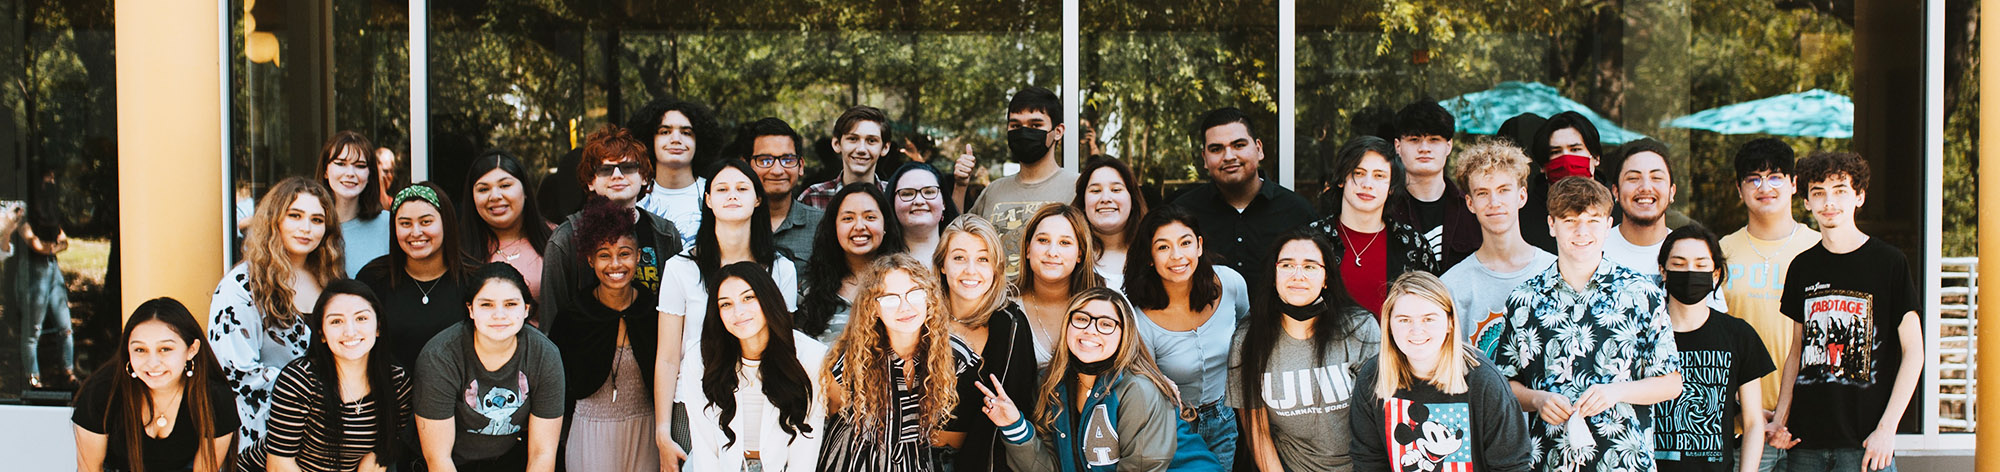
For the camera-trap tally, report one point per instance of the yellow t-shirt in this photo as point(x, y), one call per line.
point(1756, 281)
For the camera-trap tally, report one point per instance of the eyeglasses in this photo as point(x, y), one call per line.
point(1083, 320)
point(910, 194)
point(893, 303)
point(1773, 182)
point(1286, 269)
point(627, 167)
point(766, 160)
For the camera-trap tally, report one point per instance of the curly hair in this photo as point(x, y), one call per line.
point(865, 392)
point(269, 269)
point(1495, 156)
point(1132, 358)
point(1824, 165)
point(708, 133)
point(600, 222)
point(612, 143)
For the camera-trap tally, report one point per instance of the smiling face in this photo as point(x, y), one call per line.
point(1301, 272)
point(159, 354)
point(498, 197)
point(1107, 204)
point(919, 204)
point(673, 142)
point(498, 309)
point(903, 306)
point(1645, 188)
point(968, 267)
point(303, 225)
point(1230, 154)
point(350, 327)
point(1833, 201)
point(1420, 328)
point(614, 262)
point(1053, 251)
point(861, 147)
point(1176, 252)
point(1581, 234)
point(347, 173)
point(419, 229)
point(1089, 343)
point(858, 224)
point(1423, 156)
point(778, 179)
point(1496, 199)
point(1367, 187)
point(732, 196)
point(736, 305)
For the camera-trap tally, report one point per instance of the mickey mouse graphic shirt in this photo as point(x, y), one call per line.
point(1423, 429)
point(489, 408)
point(1851, 305)
point(1696, 431)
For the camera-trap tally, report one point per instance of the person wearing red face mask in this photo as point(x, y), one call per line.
point(1566, 145)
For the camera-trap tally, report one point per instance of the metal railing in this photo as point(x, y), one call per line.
point(1957, 348)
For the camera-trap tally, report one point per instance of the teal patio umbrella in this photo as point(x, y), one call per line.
point(1483, 112)
point(1812, 113)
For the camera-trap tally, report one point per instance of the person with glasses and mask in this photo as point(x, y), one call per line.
point(919, 191)
point(772, 148)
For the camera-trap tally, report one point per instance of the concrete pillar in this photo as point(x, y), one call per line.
point(169, 151)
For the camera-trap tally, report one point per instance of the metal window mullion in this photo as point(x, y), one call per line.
point(1072, 78)
point(1287, 93)
point(420, 131)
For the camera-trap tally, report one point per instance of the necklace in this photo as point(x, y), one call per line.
point(1781, 242)
point(427, 291)
point(1364, 249)
point(511, 255)
point(160, 417)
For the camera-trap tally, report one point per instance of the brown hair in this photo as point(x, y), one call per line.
point(1491, 156)
point(130, 396)
point(864, 391)
point(1574, 195)
point(269, 269)
point(1080, 278)
point(1132, 358)
point(996, 295)
point(1823, 165)
point(1454, 358)
point(1131, 229)
point(612, 143)
point(368, 205)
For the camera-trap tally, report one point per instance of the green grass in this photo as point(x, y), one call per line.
point(87, 259)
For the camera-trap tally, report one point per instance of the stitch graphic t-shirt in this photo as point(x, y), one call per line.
point(490, 409)
point(1696, 431)
point(1851, 305)
point(1308, 398)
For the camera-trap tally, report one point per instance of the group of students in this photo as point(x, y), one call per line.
point(715, 321)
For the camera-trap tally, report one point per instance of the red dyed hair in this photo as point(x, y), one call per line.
point(611, 143)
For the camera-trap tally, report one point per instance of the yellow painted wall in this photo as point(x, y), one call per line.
point(1988, 407)
point(169, 151)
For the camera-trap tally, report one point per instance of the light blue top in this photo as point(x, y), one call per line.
point(1198, 360)
point(367, 239)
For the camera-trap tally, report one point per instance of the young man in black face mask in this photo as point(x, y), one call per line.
point(1033, 130)
point(1239, 212)
point(1721, 359)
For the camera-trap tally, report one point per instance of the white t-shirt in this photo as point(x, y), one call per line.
point(1646, 261)
point(683, 294)
point(681, 206)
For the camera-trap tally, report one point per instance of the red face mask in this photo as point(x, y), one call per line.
point(1567, 165)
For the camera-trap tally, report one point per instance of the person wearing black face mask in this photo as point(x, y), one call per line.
point(1305, 329)
point(1034, 127)
point(1721, 360)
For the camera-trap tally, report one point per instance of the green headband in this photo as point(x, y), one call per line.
point(415, 191)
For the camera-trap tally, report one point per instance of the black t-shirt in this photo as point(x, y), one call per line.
point(1851, 305)
point(1694, 432)
point(174, 452)
point(1429, 214)
point(407, 322)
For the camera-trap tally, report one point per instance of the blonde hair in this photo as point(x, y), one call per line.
point(996, 292)
point(1084, 276)
point(865, 392)
point(1132, 358)
point(270, 269)
point(1394, 371)
point(1491, 156)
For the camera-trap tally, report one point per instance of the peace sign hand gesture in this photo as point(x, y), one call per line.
point(998, 408)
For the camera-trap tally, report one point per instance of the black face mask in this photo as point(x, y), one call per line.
point(1091, 368)
point(1027, 145)
point(1689, 287)
point(1304, 313)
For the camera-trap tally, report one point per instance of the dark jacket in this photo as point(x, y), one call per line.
point(1407, 249)
point(563, 271)
point(1009, 354)
point(1433, 428)
point(1462, 235)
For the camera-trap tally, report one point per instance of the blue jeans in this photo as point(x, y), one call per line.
point(43, 299)
point(1828, 459)
point(1772, 460)
point(1217, 426)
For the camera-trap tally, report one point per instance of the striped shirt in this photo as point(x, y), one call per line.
point(296, 429)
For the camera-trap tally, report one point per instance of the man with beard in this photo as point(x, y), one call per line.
point(1239, 212)
point(1033, 130)
point(860, 138)
point(1644, 188)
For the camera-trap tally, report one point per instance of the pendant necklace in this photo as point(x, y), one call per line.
point(1364, 249)
point(160, 418)
point(427, 291)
